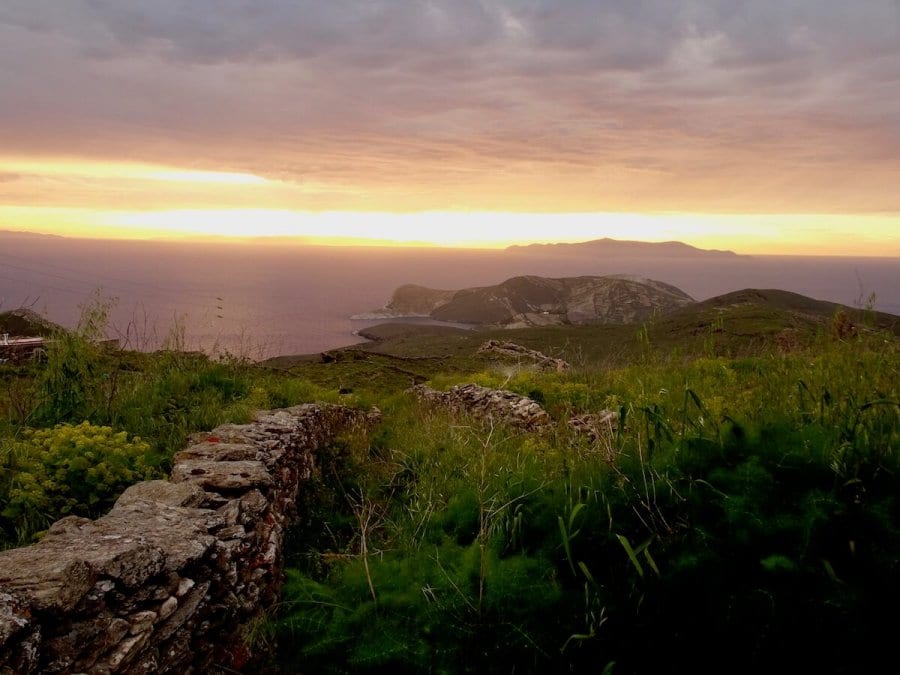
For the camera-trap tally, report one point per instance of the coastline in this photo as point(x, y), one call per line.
point(409, 319)
point(385, 314)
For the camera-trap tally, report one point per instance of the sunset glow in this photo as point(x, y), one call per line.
point(761, 234)
point(20, 168)
point(456, 124)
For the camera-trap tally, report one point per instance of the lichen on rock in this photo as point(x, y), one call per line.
point(168, 580)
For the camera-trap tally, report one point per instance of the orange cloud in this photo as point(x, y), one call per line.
point(553, 106)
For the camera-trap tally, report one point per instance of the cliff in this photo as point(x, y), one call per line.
point(538, 301)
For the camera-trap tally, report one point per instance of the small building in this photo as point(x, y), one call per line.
point(16, 349)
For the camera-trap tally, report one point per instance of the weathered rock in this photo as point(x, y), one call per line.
point(14, 616)
point(142, 621)
point(163, 492)
point(69, 524)
point(226, 433)
point(167, 608)
point(518, 352)
point(540, 301)
point(494, 405)
point(506, 407)
point(210, 474)
point(47, 580)
point(89, 640)
point(184, 586)
point(124, 651)
point(219, 452)
point(184, 611)
point(180, 533)
point(160, 584)
point(595, 426)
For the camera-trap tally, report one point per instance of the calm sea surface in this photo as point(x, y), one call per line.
point(261, 301)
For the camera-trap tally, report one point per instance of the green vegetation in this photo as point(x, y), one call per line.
point(68, 470)
point(24, 321)
point(744, 515)
point(79, 426)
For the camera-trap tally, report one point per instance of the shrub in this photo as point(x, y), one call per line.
point(69, 469)
point(743, 517)
point(73, 382)
point(67, 382)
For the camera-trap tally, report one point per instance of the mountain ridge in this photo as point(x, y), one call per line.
point(622, 247)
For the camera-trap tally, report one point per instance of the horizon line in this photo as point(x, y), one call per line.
point(302, 241)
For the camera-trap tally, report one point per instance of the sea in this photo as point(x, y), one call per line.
point(262, 300)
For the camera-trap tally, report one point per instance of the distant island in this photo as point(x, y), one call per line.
point(595, 247)
point(539, 301)
point(620, 247)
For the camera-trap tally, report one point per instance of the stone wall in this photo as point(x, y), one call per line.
point(507, 407)
point(496, 405)
point(518, 352)
point(174, 577)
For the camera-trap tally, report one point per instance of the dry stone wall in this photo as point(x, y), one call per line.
point(497, 405)
point(512, 350)
point(507, 407)
point(595, 426)
point(173, 577)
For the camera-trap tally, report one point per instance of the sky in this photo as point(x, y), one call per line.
point(770, 126)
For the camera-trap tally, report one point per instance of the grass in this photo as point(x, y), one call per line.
point(744, 517)
point(742, 324)
point(152, 400)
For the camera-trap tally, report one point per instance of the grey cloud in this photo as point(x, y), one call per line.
point(210, 31)
point(311, 88)
point(611, 33)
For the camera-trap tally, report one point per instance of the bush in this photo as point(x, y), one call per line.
point(67, 470)
point(73, 383)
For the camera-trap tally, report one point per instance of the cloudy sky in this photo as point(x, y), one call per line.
point(771, 125)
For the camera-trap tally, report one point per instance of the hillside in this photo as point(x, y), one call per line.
point(705, 469)
point(766, 311)
point(25, 322)
point(538, 301)
point(744, 323)
point(745, 414)
point(794, 302)
point(412, 300)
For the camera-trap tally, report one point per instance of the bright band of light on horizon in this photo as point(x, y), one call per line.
point(743, 233)
point(867, 234)
point(763, 127)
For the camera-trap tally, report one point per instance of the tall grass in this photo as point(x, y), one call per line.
point(744, 516)
point(160, 398)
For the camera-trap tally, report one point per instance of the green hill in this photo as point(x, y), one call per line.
point(740, 515)
point(744, 323)
point(25, 322)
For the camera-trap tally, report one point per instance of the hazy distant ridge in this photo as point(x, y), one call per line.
point(618, 247)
